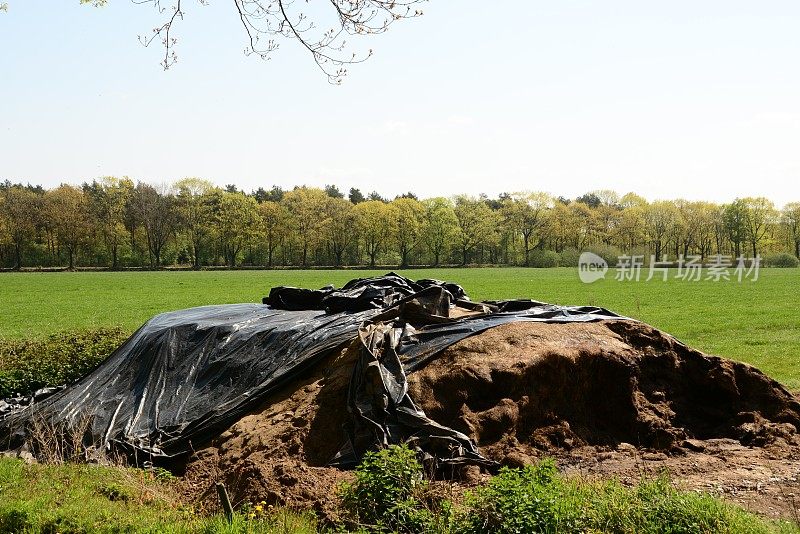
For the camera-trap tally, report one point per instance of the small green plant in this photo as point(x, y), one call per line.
point(261, 517)
point(115, 492)
point(163, 475)
point(532, 499)
point(386, 495)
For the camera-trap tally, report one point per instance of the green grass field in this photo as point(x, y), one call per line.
point(757, 322)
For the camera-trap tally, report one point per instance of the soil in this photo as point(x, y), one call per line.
point(278, 455)
point(609, 398)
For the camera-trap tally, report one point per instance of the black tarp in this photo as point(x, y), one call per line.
point(185, 376)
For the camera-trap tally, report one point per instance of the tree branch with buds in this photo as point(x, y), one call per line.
point(322, 27)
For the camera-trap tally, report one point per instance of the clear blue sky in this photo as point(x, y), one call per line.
point(694, 99)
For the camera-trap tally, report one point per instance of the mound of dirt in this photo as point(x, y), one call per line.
point(278, 455)
point(523, 387)
point(608, 397)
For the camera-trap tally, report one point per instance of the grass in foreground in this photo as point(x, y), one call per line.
point(755, 322)
point(388, 495)
point(76, 498)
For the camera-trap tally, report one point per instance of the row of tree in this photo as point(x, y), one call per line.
point(116, 223)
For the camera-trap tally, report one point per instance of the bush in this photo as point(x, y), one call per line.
point(532, 499)
point(386, 495)
point(544, 258)
point(569, 257)
point(781, 259)
point(609, 253)
point(27, 365)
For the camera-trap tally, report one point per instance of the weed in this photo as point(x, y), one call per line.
point(386, 492)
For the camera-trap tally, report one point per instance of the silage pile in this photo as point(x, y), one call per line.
point(616, 390)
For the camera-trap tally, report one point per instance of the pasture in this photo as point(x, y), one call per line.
point(756, 322)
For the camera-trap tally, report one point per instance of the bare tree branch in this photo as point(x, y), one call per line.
point(266, 21)
point(163, 31)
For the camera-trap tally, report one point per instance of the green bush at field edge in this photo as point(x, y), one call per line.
point(62, 358)
point(781, 259)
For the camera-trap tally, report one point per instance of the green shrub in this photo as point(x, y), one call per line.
point(569, 257)
point(531, 499)
point(544, 258)
point(781, 259)
point(609, 253)
point(63, 358)
point(386, 493)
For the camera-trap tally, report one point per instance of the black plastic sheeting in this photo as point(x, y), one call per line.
point(186, 376)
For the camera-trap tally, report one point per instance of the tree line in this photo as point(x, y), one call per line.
point(117, 223)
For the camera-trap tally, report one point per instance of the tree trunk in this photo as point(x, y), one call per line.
point(526, 238)
point(18, 257)
point(133, 240)
point(234, 251)
point(196, 253)
point(403, 257)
